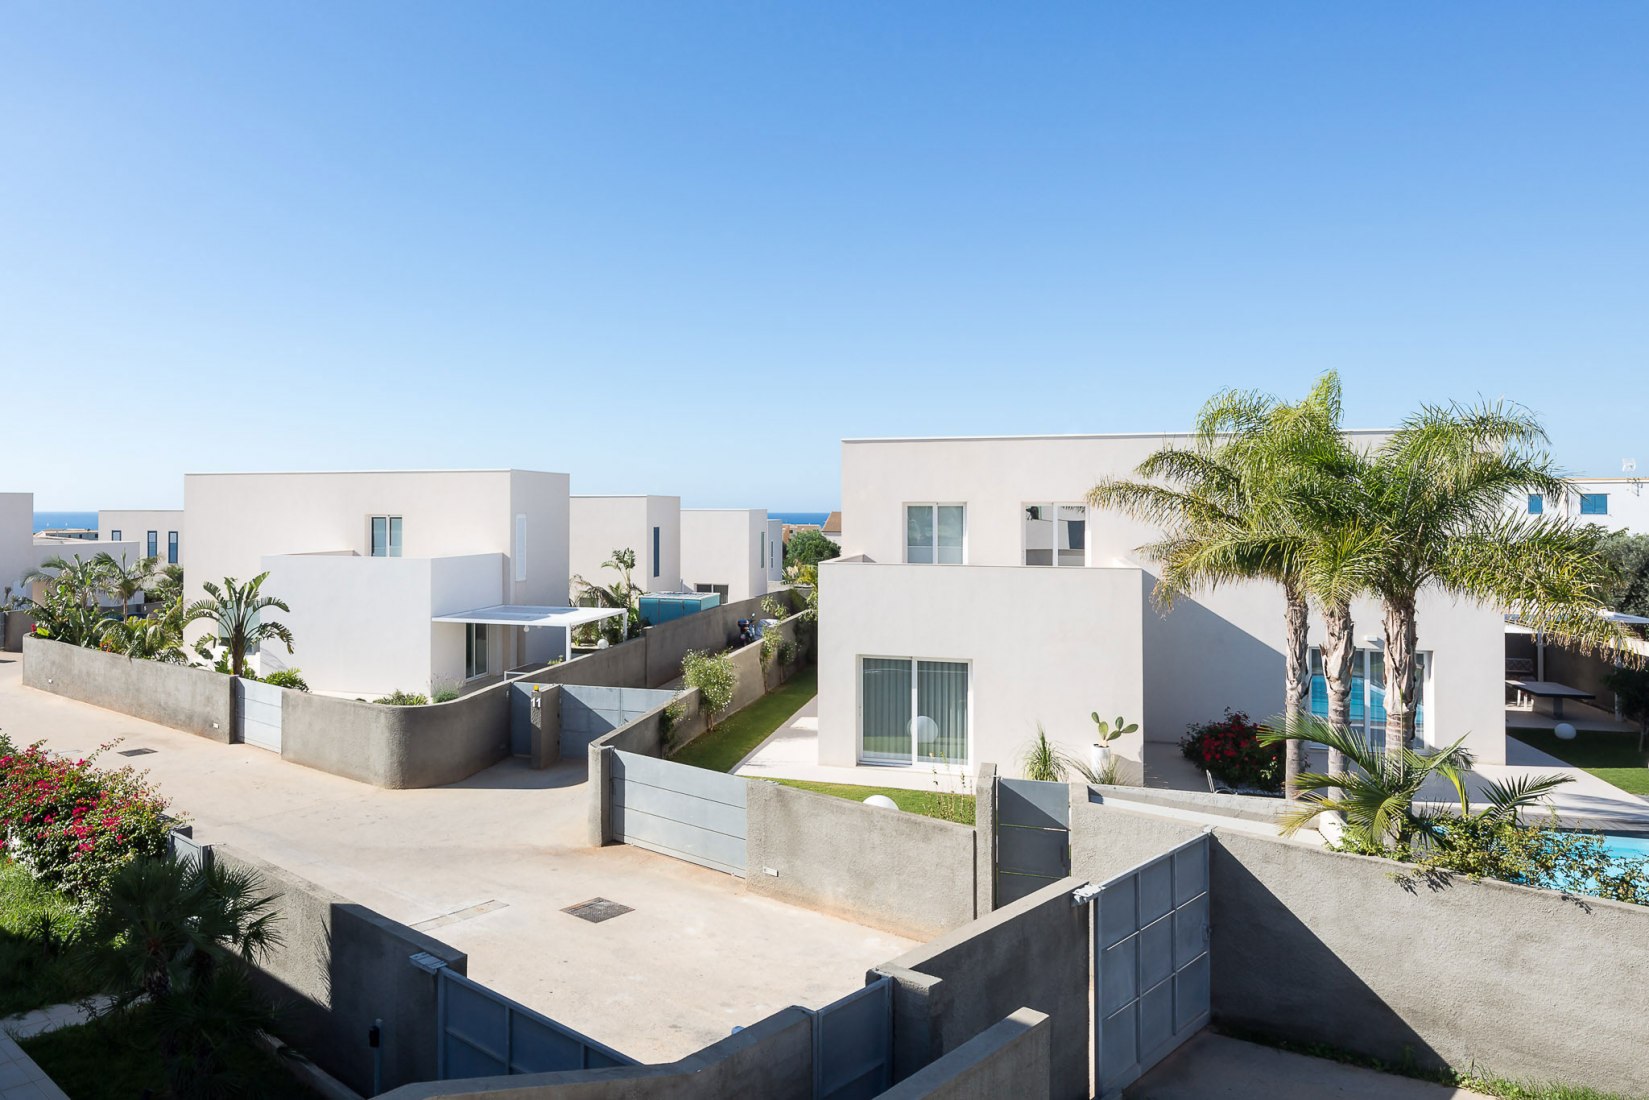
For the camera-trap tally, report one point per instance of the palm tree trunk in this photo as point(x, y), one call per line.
point(1339, 652)
point(1297, 684)
point(1401, 635)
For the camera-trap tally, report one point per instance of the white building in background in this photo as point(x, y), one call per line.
point(727, 550)
point(414, 580)
point(775, 552)
point(22, 551)
point(1618, 503)
point(979, 598)
point(157, 532)
point(649, 525)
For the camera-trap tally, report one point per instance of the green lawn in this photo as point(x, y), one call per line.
point(32, 972)
point(117, 1058)
point(733, 739)
point(946, 807)
point(1612, 757)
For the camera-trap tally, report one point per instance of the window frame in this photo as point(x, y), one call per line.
point(171, 548)
point(393, 524)
point(151, 542)
point(933, 506)
point(474, 633)
point(114, 535)
point(1055, 505)
point(1586, 498)
point(914, 760)
point(1537, 504)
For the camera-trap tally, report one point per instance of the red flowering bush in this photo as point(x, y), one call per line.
point(71, 825)
point(1231, 749)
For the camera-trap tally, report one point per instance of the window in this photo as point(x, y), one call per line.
point(1056, 534)
point(1368, 693)
point(386, 536)
point(913, 711)
point(761, 549)
point(655, 551)
point(475, 649)
point(520, 554)
point(719, 589)
point(934, 533)
point(1537, 504)
point(1594, 504)
point(115, 534)
point(171, 548)
point(153, 543)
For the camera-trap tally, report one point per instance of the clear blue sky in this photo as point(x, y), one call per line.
point(687, 247)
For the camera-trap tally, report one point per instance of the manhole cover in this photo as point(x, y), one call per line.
point(597, 910)
point(135, 752)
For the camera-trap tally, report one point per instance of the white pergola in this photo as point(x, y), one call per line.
point(528, 616)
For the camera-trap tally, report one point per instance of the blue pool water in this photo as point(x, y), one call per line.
point(1626, 847)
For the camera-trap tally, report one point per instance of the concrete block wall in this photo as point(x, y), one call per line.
point(900, 872)
point(195, 700)
point(1034, 953)
point(396, 747)
point(1010, 1058)
point(338, 968)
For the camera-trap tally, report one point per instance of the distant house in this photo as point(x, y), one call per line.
point(648, 525)
point(730, 551)
point(833, 527)
point(158, 532)
point(1618, 503)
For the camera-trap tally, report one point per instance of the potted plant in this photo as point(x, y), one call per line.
point(1108, 732)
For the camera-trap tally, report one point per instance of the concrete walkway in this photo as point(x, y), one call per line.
point(792, 752)
point(1214, 1067)
point(488, 865)
point(20, 1078)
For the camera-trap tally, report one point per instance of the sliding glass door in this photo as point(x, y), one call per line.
point(913, 711)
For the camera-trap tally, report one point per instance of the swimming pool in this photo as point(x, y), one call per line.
point(1626, 847)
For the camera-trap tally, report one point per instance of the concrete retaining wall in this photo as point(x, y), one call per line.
point(339, 967)
point(588, 712)
point(195, 700)
point(1010, 1058)
point(397, 747)
point(770, 1059)
point(900, 872)
point(1033, 953)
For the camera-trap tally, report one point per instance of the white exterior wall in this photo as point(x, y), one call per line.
point(134, 526)
point(725, 546)
point(1222, 649)
point(775, 552)
point(16, 539)
point(1628, 504)
point(601, 524)
point(1028, 636)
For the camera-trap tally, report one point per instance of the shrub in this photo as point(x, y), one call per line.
point(399, 698)
point(809, 547)
point(714, 677)
point(1042, 760)
point(1230, 748)
point(445, 695)
point(1484, 846)
point(287, 678)
point(72, 826)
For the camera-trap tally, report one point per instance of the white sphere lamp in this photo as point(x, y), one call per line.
point(924, 730)
point(882, 802)
point(1564, 731)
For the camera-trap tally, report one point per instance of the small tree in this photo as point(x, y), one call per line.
point(124, 581)
point(1631, 688)
point(809, 547)
point(238, 610)
point(714, 677)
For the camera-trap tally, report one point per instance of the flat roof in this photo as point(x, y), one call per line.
point(510, 614)
point(349, 473)
point(1180, 432)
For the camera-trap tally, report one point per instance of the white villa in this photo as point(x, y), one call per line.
point(1617, 503)
point(649, 525)
point(22, 551)
point(978, 597)
point(157, 531)
point(737, 552)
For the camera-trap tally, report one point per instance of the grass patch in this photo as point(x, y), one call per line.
point(1612, 757)
point(946, 807)
point(35, 922)
point(1474, 1080)
point(732, 740)
point(117, 1057)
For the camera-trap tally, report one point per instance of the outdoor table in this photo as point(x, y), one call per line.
point(1548, 689)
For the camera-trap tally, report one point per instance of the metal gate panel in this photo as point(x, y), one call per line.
point(853, 1044)
point(484, 1034)
point(1032, 837)
point(1151, 957)
point(681, 811)
point(258, 713)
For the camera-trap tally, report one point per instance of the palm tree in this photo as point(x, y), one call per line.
point(168, 583)
point(1376, 797)
point(84, 580)
point(622, 593)
point(156, 637)
point(1435, 497)
point(124, 581)
point(1232, 509)
point(238, 609)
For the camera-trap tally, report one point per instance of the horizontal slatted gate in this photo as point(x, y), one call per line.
point(853, 1044)
point(677, 810)
point(483, 1034)
point(258, 712)
point(1152, 980)
point(1032, 836)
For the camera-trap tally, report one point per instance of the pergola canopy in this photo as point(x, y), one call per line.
point(528, 615)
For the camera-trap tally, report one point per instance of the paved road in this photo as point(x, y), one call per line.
point(487, 865)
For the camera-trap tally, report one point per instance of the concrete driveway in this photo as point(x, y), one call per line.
point(487, 865)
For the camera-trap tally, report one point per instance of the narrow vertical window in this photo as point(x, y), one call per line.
point(380, 536)
point(655, 551)
point(115, 535)
point(153, 542)
point(521, 548)
point(171, 548)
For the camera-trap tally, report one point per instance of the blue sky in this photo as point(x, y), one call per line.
point(687, 247)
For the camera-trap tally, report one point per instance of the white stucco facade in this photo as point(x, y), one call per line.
point(1616, 503)
point(163, 525)
point(775, 552)
point(725, 548)
point(1050, 644)
point(649, 525)
point(361, 621)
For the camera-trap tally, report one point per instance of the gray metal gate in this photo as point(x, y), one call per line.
point(483, 1034)
point(680, 811)
point(258, 713)
point(1033, 835)
point(1151, 963)
point(853, 1044)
